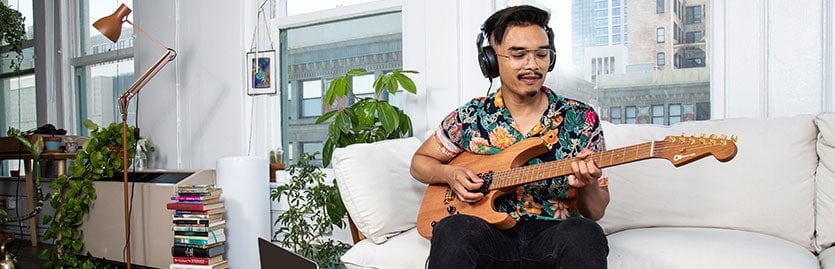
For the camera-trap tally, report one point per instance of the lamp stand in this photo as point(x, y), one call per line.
point(125, 183)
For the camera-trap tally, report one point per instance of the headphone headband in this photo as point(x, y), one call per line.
point(488, 62)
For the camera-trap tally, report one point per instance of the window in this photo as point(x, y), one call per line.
point(103, 69)
point(18, 102)
point(658, 114)
point(311, 148)
point(636, 66)
point(17, 88)
point(311, 98)
point(615, 115)
point(693, 37)
point(694, 15)
point(703, 111)
point(674, 113)
point(315, 52)
point(659, 35)
point(631, 114)
point(660, 59)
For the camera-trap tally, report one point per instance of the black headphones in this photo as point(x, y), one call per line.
point(487, 56)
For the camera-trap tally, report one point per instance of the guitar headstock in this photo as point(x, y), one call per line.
point(683, 149)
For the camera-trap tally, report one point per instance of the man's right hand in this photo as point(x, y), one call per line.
point(464, 183)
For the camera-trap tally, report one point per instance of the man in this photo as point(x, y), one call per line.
point(555, 227)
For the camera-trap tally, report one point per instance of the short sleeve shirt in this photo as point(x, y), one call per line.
point(485, 126)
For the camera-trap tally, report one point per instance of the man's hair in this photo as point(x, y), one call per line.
point(496, 25)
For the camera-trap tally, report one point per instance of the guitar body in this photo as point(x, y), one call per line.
point(439, 201)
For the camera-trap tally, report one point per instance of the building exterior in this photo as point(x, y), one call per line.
point(648, 65)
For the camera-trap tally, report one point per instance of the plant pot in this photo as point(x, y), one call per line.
point(52, 143)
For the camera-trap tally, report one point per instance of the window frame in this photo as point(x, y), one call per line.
point(660, 35)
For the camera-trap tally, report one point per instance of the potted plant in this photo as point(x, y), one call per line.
point(367, 119)
point(12, 32)
point(276, 162)
point(100, 157)
point(314, 209)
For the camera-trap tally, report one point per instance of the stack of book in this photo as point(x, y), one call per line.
point(199, 237)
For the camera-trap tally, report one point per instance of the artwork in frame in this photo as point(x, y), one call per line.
point(261, 74)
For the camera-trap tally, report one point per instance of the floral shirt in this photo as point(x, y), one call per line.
point(485, 126)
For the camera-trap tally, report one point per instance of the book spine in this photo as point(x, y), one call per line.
point(191, 260)
point(185, 206)
point(183, 251)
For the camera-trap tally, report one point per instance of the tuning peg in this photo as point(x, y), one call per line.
point(712, 136)
point(734, 138)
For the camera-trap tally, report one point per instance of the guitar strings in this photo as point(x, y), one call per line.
point(642, 151)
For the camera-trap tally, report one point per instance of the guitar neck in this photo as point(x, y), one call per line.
point(532, 173)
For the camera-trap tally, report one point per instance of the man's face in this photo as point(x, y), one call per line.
point(523, 59)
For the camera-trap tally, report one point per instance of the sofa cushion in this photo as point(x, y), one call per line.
point(380, 195)
point(827, 258)
point(768, 187)
point(704, 248)
point(407, 250)
point(825, 180)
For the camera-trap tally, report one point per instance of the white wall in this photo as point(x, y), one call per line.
point(193, 110)
point(771, 58)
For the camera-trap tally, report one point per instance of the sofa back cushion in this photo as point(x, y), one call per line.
point(825, 180)
point(768, 187)
point(380, 195)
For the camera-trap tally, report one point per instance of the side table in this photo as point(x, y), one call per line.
point(61, 162)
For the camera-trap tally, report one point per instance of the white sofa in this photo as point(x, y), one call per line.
point(772, 206)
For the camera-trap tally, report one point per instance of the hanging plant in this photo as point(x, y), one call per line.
point(12, 32)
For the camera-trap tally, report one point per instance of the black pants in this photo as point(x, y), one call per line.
point(462, 241)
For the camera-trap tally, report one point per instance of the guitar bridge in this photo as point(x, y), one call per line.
point(488, 180)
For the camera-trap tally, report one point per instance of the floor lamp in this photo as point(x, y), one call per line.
point(111, 27)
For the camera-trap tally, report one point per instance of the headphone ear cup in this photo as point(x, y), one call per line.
point(490, 65)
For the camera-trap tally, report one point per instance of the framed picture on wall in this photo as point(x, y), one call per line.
point(261, 72)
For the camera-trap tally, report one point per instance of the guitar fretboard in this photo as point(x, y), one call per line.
point(532, 173)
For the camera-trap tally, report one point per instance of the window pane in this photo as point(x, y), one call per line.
point(363, 86)
point(19, 103)
point(312, 98)
point(92, 41)
point(99, 87)
point(675, 113)
point(658, 114)
point(323, 51)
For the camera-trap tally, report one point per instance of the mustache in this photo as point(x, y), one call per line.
point(533, 73)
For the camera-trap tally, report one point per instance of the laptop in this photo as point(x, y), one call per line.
point(274, 256)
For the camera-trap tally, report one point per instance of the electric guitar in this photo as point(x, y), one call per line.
point(503, 171)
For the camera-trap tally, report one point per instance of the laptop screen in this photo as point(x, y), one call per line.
point(274, 256)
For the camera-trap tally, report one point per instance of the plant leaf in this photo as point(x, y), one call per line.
point(326, 116)
point(407, 83)
point(391, 84)
point(356, 72)
point(389, 117)
point(366, 110)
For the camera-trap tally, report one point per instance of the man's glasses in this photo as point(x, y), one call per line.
point(520, 57)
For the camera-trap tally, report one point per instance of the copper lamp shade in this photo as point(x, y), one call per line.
point(111, 26)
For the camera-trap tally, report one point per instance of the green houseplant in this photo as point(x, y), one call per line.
point(367, 119)
point(314, 208)
point(100, 157)
point(12, 32)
